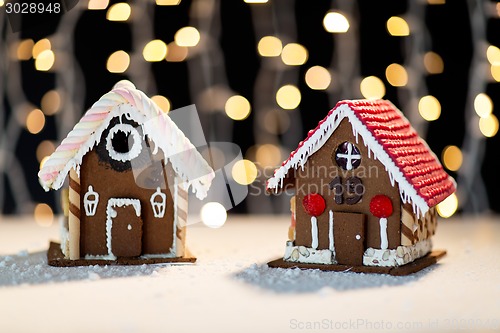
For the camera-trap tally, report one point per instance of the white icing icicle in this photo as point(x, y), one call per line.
point(330, 232)
point(384, 243)
point(314, 232)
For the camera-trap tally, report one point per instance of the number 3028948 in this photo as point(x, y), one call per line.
point(32, 8)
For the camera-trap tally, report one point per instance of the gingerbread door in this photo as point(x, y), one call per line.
point(124, 227)
point(349, 237)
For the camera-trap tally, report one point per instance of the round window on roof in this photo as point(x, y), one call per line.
point(123, 142)
point(347, 156)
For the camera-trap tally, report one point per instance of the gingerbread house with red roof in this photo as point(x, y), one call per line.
point(366, 186)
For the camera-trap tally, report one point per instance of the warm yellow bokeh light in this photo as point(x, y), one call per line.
point(318, 78)
point(187, 36)
point(288, 97)
point(493, 55)
point(119, 12)
point(294, 54)
point(244, 172)
point(98, 4)
point(1, 3)
point(452, 158)
point(436, 2)
point(118, 62)
point(448, 206)
point(483, 105)
point(396, 75)
point(335, 22)
point(25, 49)
point(429, 108)
point(268, 156)
point(44, 216)
point(397, 26)
point(44, 149)
point(176, 53)
point(168, 2)
point(213, 214)
point(45, 60)
point(488, 125)
point(433, 63)
point(35, 121)
point(269, 46)
point(495, 72)
point(155, 50)
point(162, 102)
point(51, 102)
point(237, 107)
point(372, 87)
point(40, 46)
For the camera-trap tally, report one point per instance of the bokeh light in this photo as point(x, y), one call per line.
point(397, 26)
point(168, 2)
point(119, 12)
point(35, 121)
point(372, 87)
point(268, 155)
point(162, 102)
point(155, 50)
point(493, 55)
point(187, 36)
point(51, 102)
point(318, 78)
point(45, 60)
point(269, 46)
point(244, 172)
point(98, 4)
point(213, 215)
point(429, 108)
point(335, 22)
point(396, 75)
point(40, 46)
point(452, 158)
point(294, 54)
point(448, 206)
point(25, 49)
point(433, 63)
point(176, 53)
point(44, 149)
point(237, 107)
point(488, 125)
point(483, 105)
point(288, 97)
point(495, 72)
point(118, 62)
point(43, 214)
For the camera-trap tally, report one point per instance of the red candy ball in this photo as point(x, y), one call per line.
point(381, 206)
point(314, 204)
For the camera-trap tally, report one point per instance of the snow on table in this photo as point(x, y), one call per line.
point(230, 289)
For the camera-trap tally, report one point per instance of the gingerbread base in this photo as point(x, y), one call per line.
point(55, 257)
point(413, 267)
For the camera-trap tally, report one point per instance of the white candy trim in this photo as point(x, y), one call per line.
point(134, 151)
point(110, 214)
point(308, 255)
point(384, 242)
point(407, 193)
point(402, 255)
point(314, 232)
point(330, 232)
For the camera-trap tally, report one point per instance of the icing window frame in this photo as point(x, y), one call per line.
point(133, 151)
point(352, 154)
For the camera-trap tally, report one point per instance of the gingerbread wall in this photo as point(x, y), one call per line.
point(157, 234)
point(316, 176)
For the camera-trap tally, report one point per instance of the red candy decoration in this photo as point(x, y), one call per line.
point(381, 206)
point(314, 204)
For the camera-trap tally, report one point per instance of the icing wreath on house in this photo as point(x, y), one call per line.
point(130, 168)
point(366, 186)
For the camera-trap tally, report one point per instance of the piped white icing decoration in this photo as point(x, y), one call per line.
point(126, 100)
point(330, 232)
point(111, 213)
point(158, 207)
point(349, 156)
point(407, 193)
point(133, 152)
point(314, 232)
point(90, 205)
point(384, 243)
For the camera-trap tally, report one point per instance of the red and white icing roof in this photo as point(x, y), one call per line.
point(390, 138)
point(126, 100)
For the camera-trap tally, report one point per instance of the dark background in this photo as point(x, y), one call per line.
point(448, 25)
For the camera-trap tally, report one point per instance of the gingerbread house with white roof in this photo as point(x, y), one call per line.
point(130, 168)
point(365, 188)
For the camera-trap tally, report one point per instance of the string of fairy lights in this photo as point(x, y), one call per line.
point(277, 98)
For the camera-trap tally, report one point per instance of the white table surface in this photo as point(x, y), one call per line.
point(230, 289)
